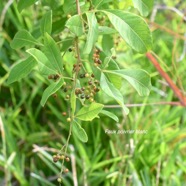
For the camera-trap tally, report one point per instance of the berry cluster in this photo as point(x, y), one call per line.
point(96, 57)
point(58, 157)
point(55, 77)
point(91, 87)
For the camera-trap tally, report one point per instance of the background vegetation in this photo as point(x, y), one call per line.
point(31, 134)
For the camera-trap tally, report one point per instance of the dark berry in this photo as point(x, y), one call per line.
point(87, 96)
point(70, 49)
point(82, 75)
point(82, 96)
point(90, 82)
point(51, 76)
point(55, 158)
point(83, 88)
point(65, 89)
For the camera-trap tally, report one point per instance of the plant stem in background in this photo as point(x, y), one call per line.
point(172, 85)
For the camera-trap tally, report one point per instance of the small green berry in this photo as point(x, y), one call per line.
point(59, 180)
point(69, 120)
point(87, 75)
point(67, 96)
point(69, 16)
point(91, 100)
point(62, 157)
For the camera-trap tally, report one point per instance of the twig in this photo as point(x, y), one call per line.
point(8, 4)
point(184, 51)
point(172, 85)
point(144, 104)
point(158, 172)
point(73, 160)
point(167, 30)
point(74, 86)
point(164, 7)
point(78, 7)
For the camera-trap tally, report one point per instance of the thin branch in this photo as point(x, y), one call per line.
point(74, 171)
point(178, 12)
point(164, 7)
point(78, 7)
point(171, 32)
point(145, 104)
point(172, 85)
point(8, 4)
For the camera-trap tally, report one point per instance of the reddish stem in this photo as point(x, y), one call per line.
point(172, 85)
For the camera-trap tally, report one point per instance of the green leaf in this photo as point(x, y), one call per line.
point(112, 91)
point(92, 32)
point(74, 24)
point(99, 3)
point(46, 23)
point(69, 7)
point(22, 4)
point(106, 30)
point(111, 64)
point(107, 44)
point(21, 69)
point(110, 114)
point(53, 54)
point(51, 89)
point(52, 4)
point(44, 65)
point(79, 132)
point(88, 113)
point(23, 38)
point(143, 6)
point(139, 79)
point(132, 28)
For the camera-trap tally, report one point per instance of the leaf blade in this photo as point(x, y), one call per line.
point(110, 114)
point(90, 112)
point(22, 4)
point(44, 65)
point(92, 32)
point(143, 6)
point(74, 24)
point(132, 28)
point(21, 70)
point(52, 52)
point(113, 92)
point(23, 38)
point(46, 23)
point(51, 89)
point(79, 132)
point(138, 78)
